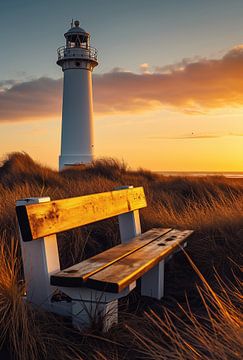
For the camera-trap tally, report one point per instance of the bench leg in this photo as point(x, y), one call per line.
point(152, 282)
point(40, 259)
point(93, 307)
point(101, 315)
point(129, 223)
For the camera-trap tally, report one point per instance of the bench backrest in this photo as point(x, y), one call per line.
point(44, 219)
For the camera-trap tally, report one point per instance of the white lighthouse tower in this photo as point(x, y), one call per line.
point(77, 60)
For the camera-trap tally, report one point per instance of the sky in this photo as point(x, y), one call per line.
point(168, 90)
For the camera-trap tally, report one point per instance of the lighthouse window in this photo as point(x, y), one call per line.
point(77, 64)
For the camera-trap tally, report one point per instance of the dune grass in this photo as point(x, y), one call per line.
point(217, 334)
point(204, 323)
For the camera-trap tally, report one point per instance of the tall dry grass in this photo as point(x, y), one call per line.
point(29, 333)
point(215, 334)
point(212, 206)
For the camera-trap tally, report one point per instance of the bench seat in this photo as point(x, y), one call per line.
point(116, 268)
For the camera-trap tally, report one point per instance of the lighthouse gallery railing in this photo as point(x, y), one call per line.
point(77, 52)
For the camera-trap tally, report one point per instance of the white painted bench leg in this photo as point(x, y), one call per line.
point(84, 314)
point(93, 306)
point(40, 258)
point(152, 282)
point(129, 223)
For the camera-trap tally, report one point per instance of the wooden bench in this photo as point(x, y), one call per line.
point(93, 285)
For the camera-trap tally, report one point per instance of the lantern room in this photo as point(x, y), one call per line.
point(77, 47)
point(76, 37)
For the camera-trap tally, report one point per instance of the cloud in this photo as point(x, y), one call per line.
point(144, 68)
point(195, 136)
point(196, 88)
point(178, 66)
point(118, 70)
point(30, 100)
point(193, 86)
point(6, 84)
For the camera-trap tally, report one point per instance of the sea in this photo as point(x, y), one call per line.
point(233, 175)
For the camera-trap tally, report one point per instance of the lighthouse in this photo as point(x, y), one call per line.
point(77, 59)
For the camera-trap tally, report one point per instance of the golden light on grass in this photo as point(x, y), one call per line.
point(216, 335)
point(206, 325)
point(29, 333)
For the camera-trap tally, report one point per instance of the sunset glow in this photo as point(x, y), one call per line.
point(169, 113)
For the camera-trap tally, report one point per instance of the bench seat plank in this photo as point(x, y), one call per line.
point(119, 275)
point(77, 274)
point(39, 220)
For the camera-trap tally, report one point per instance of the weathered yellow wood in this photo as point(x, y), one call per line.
point(120, 274)
point(44, 219)
point(77, 274)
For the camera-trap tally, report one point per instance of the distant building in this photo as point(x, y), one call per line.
point(77, 60)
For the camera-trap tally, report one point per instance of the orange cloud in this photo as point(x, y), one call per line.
point(30, 100)
point(192, 86)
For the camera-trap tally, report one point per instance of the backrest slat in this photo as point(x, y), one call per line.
point(39, 220)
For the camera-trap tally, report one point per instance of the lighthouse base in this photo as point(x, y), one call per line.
point(72, 160)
